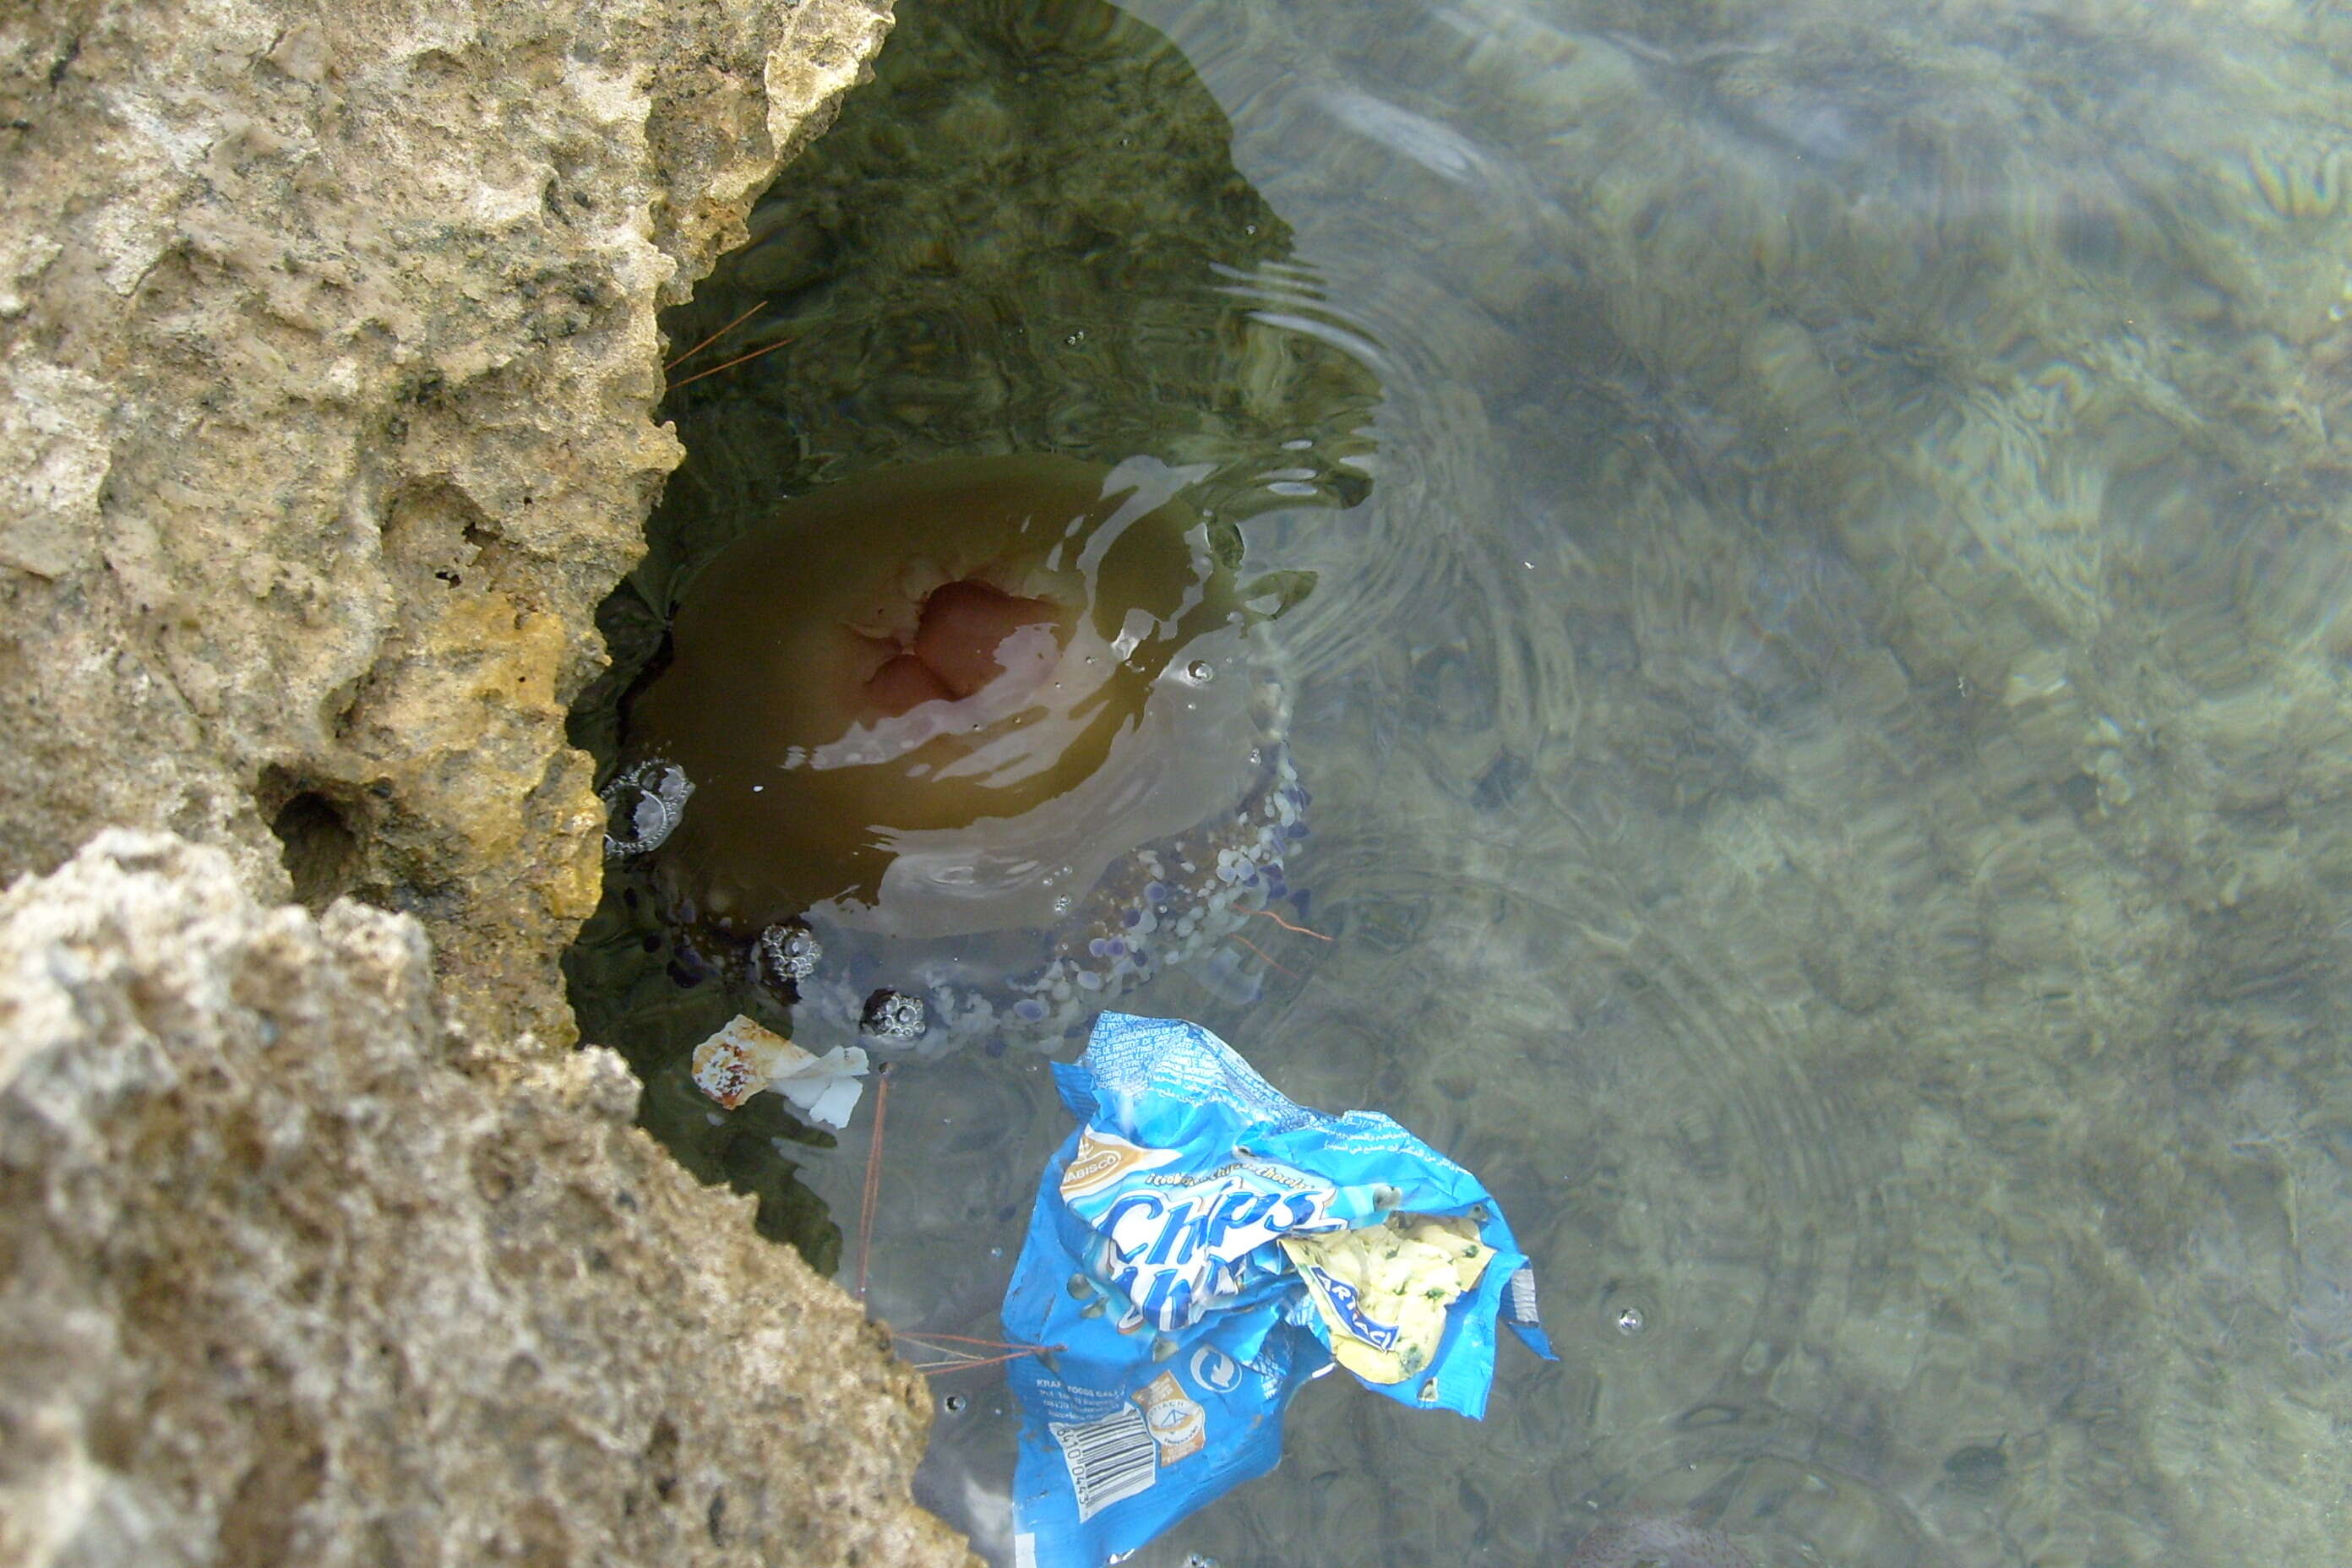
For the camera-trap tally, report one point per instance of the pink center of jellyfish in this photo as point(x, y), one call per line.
point(958, 645)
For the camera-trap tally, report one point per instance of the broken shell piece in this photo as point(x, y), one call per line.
point(743, 1059)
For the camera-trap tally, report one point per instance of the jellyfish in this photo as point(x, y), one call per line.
point(972, 746)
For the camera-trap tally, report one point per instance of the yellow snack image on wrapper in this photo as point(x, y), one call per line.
point(1383, 1289)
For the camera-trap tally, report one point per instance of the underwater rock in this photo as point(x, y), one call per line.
point(993, 732)
point(284, 1286)
point(1657, 1541)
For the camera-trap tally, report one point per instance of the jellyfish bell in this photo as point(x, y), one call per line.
point(877, 695)
point(995, 733)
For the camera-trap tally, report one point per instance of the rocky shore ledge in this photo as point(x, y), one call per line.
point(326, 417)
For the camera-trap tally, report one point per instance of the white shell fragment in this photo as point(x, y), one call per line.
point(744, 1057)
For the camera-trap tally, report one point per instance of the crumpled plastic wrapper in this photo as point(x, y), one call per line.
point(1201, 1247)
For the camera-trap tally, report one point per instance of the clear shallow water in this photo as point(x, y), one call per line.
point(1829, 734)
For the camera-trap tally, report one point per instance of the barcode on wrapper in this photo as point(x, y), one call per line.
point(1523, 1296)
point(1111, 1459)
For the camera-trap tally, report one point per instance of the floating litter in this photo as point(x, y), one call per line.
point(1201, 1249)
point(744, 1057)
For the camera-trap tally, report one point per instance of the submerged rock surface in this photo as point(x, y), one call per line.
point(1655, 1541)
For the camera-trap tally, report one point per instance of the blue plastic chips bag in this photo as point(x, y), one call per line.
point(1199, 1250)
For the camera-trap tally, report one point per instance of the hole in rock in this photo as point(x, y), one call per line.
point(318, 845)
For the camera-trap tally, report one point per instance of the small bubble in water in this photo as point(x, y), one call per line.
point(1629, 1313)
point(954, 1404)
point(1201, 671)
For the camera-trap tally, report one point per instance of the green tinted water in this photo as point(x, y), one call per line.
point(1829, 726)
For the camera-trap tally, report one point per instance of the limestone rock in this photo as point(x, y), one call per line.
point(281, 1287)
point(328, 359)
